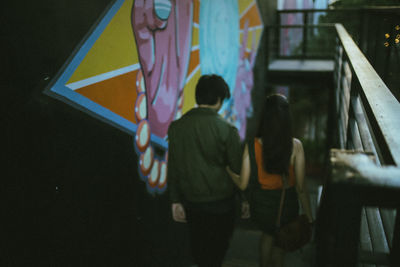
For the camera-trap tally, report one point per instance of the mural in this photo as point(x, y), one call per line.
point(291, 38)
point(138, 68)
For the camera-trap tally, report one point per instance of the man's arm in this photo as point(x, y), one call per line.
point(234, 151)
point(172, 178)
point(178, 211)
point(242, 180)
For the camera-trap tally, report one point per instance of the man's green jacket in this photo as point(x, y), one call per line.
point(201, 145)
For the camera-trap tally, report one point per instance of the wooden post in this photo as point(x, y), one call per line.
point(395, 252)
point(267, 45)
point(278, 35)
point(305, 32)
point(355, 181)
point(338, 224)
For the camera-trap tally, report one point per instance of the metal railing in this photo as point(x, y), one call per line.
point(300, 42)
point(367, 120)
point(367, 111)
point(356, 182)
point(306, 34)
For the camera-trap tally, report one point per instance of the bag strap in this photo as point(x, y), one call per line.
point(284, 184)
point(253, 181)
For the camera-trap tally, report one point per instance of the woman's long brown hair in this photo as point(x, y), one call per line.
point(275, 131)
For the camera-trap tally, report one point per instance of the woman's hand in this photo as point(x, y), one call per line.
point(245, 210)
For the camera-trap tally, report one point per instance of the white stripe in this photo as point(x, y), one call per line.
point(253, 28)
point(192, 74)
point(102, 77)
point(196, 47)
point(196, 25)
point(247, 9)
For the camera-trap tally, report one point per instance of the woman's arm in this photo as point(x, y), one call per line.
point(243, 180)
point(301, 186)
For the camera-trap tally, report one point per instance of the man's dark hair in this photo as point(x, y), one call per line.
point(211, 87)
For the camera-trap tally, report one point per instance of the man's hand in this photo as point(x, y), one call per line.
point(178, 212)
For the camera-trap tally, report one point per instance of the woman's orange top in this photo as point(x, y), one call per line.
point(268, 180)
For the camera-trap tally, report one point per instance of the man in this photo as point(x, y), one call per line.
point(201, 145)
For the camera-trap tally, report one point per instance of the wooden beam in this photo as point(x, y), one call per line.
point(383, 104)
point(360, 170)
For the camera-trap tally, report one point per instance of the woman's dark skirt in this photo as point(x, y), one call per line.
point(264, 208)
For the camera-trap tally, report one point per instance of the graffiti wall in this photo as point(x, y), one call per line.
point(292, 37)
point(137, 69)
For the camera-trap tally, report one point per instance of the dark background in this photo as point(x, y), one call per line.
point(72, 194)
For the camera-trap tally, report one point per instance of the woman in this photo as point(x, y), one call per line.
point(273, 159)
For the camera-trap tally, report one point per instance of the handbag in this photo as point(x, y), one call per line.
point(295, 234)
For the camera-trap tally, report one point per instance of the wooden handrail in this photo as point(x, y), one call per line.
point(380, 100)
point(359, 183)
point(362, 170)
point(368, 8)
point(383, 109)
point(316, 10)
point(355, 181)
point(321, 25)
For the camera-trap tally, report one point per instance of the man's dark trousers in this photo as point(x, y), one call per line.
point(210, 233)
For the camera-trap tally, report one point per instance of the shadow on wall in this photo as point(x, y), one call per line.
point(138, 67)
point(76, 195)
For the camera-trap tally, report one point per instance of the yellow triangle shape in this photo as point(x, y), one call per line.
point(114, 49)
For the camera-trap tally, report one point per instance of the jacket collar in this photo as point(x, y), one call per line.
point(202, 110)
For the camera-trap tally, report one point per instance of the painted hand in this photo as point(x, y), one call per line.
point(163, 32)
point(244, 82)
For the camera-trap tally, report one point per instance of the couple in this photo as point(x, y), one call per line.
point(206, 166)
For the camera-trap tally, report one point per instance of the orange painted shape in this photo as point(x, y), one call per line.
point(252, 16)
point(196, 11)
point(117, 94)
point(194, 60)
